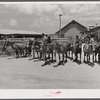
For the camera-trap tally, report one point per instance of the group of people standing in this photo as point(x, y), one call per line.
point(89, 40)
point(46, 38)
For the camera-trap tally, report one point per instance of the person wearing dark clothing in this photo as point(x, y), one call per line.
point(77, 40)
point(49, 39)
point(30, 46)
point(44, 37)
point(76, 47)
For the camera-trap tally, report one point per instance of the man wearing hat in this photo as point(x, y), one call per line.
point(48, 39)
point(44, 37)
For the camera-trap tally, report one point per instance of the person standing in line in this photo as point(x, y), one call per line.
point(48, 39)
point(44, 37)
point(77, 39)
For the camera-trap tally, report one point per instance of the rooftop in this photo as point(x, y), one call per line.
point(72, 22)
point(8, 31)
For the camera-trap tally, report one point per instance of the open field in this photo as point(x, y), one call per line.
point(23, 73)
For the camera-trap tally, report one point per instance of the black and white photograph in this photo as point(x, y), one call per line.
point(45, 45)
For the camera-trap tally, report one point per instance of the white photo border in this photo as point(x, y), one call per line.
point(46, 93)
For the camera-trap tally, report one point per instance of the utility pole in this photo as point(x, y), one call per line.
point(96, 24)
point(60, 24)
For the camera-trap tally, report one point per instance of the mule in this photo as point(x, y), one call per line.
point(62, 49)
point(88, 50)
point(70, 51)
point(29, 47)
point(97, 51)
point(77, 49)
point(37, 48)
point(19, 48)
point(47, 50)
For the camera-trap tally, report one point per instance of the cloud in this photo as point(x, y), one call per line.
point(13, 22)
point(86, 10)
point(46, 16)
point(33, 8)
point(81, 9)
point(1, 26)
point(83, 13)
point(42, 21)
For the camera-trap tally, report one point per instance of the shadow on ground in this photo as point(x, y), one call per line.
point(89, 63)
point(48, 62)
point(60, 63)
point(97, 62)
point(77, 61)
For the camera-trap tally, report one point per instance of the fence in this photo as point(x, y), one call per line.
point(62, 39)
point(20, 40)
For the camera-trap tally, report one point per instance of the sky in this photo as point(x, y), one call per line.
point(44, 18)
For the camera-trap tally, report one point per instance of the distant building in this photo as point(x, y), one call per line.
point(71, 30)
point(18, 34)
point(53, 36)
point(95, 32)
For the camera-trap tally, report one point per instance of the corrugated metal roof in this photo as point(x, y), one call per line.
point(8, 31)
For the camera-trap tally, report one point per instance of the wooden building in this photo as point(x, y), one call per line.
point(71, 30)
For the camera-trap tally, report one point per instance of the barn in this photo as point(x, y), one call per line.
point(71, 30)
point(19, 34)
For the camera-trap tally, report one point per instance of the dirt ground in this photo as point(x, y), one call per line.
point(23, 73)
